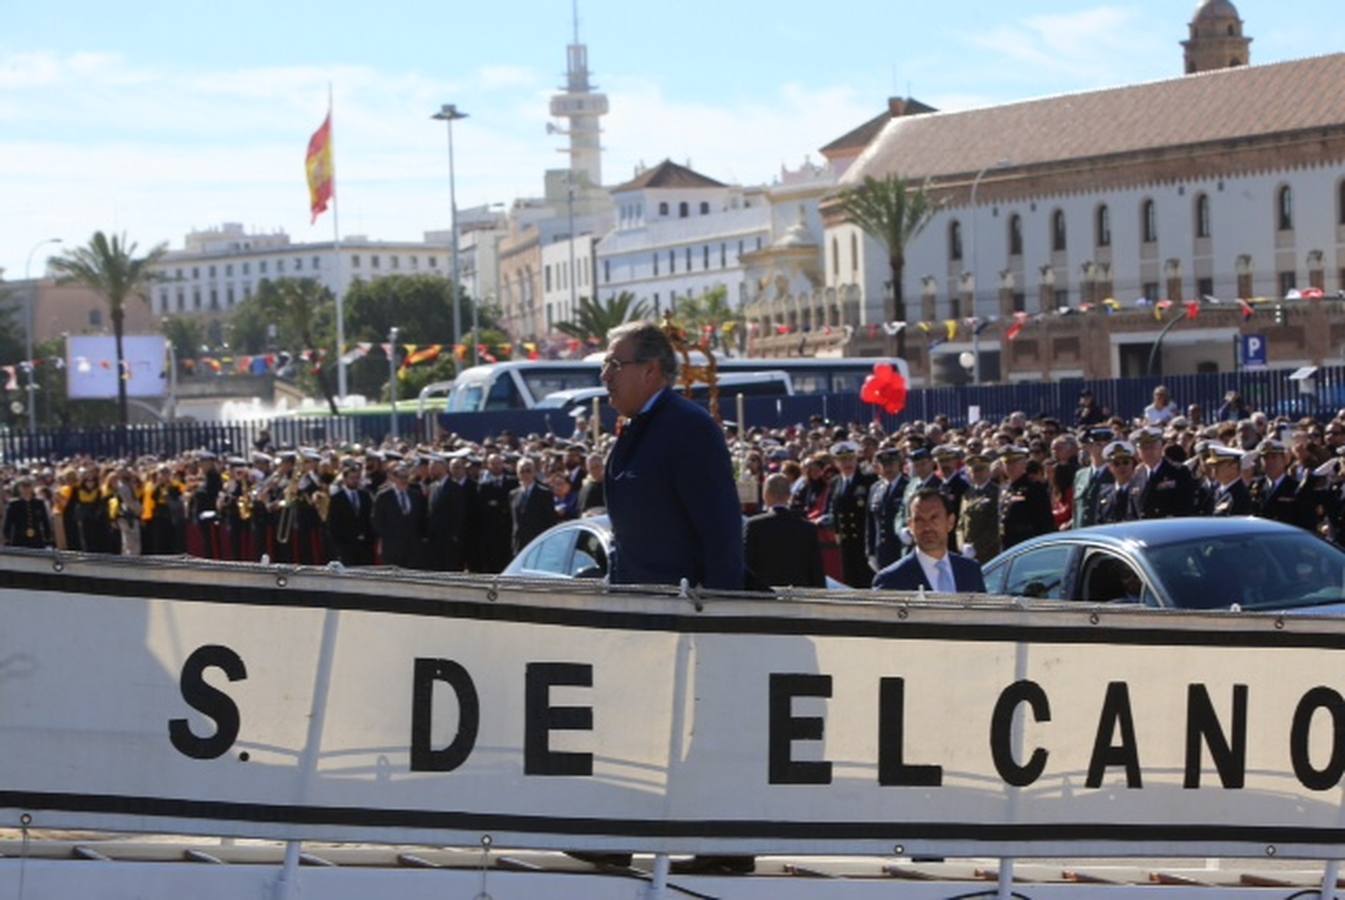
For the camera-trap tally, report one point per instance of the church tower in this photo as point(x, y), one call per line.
point(582, 107)
point(1216, 40)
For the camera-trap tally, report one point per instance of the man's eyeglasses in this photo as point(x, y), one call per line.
point(615, 365)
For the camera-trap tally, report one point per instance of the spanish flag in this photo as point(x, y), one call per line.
point(321, 172)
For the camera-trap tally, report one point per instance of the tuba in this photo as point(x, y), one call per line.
point(322, 502)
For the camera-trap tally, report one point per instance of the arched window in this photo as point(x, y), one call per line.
point(1203, 215)
point(1285, 206)
point(1103, 226)
point(854, 252)
point(1058, 231)
point(683, 210)
point(835, 257)
point(1016, 234)
point(955, 240)
point(663, 209)
point(1148, 222)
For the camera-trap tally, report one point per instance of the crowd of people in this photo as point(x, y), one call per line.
point(459, 505)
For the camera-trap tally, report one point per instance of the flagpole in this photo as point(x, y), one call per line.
point(336, 250)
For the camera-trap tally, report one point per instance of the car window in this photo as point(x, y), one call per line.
point(588, 554)
point(1110, 579)
point(552, 555)
point(1264, 571)
point(994, 577)
point(1039, 573)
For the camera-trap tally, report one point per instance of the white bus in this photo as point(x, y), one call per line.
point(523, 384)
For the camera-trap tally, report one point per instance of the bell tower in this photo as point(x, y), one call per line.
point(1216, 40)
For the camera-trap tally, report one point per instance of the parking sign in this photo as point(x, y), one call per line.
point(1254, 351)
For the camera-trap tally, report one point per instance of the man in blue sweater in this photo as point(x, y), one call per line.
point(670, 490)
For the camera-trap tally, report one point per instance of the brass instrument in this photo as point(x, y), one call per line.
point(322, 502)
point(288, 502)
point(245, 500)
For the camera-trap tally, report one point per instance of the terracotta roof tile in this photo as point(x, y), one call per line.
point(1228, 104)
point(858, 138)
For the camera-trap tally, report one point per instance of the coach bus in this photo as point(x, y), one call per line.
point(523, 384)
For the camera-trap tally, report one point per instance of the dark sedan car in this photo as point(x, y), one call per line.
point(1193, 563)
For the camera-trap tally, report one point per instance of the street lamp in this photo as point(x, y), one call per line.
point(447, 113)
point(392, 376)
point(32, 306)
point(975, 336)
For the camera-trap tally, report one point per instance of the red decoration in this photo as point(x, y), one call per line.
point(1193, 309)
point(885, 388)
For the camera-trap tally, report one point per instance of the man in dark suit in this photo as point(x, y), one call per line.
point(27, 521)
point(780, 547)
point(1231, 496)
point(1169, 488)
point(399, 519)
point(494, 517)
point(1284, 496)
point(847, 513)
point(448, 529)
point(931, 566)
point(670, 490)
point(1118, 501)
point(533, 506)
point(350, 518)
point(1024, 503)
point(882, 544)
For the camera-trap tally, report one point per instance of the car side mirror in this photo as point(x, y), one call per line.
point(590, 572)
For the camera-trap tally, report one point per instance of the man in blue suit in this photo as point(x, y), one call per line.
point(931, 566)
point(671, 495)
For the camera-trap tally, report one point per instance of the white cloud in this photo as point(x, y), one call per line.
point(496, 77)
point(1092, 46)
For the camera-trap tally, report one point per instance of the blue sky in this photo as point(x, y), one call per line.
point(157, 117)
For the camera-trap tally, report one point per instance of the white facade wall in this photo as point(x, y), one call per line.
point(1243, 220)
point(566, 281)
point(626, 256)
point(213, 283)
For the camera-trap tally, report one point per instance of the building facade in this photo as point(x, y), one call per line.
point(220, 268)
point(1092, 232)
point(678, 234)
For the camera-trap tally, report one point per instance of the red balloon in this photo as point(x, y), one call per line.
point(894, 394)
point(871, 391)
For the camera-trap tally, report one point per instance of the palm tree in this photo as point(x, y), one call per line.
point(889, 210)
point(593, 319)
point(110, 267)
point(296, 304)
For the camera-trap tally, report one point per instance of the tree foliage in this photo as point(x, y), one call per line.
point(185, 334)
point(711, 310)
point(109, 266)
point(595, 318)
point(893, 212)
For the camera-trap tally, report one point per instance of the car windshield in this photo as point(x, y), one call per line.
point(1261, 571)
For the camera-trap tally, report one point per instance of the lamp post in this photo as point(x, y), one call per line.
point(975, 336)
point(447, 114)
point(392, 376)
point(32, 307)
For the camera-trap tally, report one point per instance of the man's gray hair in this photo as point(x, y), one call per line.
point(649, 343)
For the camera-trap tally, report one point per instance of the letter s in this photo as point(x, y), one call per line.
point(208, 701)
